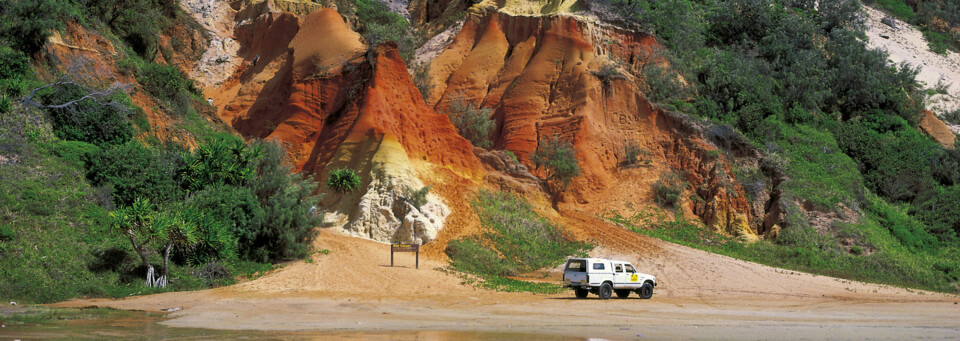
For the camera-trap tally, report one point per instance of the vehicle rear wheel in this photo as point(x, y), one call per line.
point(622, 293)
point(645, 291)
point(581, 293)
point(606, 290)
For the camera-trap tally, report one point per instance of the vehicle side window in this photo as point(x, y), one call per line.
point(630, 269)
point(598, 266)
point(618, 268)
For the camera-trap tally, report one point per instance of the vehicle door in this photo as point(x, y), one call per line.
point(619, 276)
point(631, 278)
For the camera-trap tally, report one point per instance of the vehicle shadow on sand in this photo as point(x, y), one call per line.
point(594, 298)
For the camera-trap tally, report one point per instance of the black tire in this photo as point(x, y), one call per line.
point(622, 293)
point(606, 290)
point(645, 291)
point(581, 293)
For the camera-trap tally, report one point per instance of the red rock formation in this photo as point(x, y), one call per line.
point(540, 75)
point(321, 93)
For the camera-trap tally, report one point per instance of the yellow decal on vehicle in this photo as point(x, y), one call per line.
point(633, 278)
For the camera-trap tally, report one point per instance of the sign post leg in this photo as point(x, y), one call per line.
point(418, 259)
point(391, 258)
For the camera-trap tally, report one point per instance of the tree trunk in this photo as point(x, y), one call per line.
point(138, 248)
point(166, 265)
point(151, 282)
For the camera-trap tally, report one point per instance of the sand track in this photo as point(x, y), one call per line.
point(701, 295)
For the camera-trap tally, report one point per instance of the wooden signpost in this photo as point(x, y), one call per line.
point(405, 248)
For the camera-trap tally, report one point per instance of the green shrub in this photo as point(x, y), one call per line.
point(89, 120)
point(26, 24)
point(856, 250)
point(941, 212)
point(668, 188)
point(379, 24)
point(137, 22)
point(15, 72)
point(221, 161)
point(473, 123)
point(234, 208)
point(952, 116)
point(74, 152)
point(893, 156)
point(634, 154)
point(512, 156)
point(421, 79)
point(168, 84)
point(558, 160)
point(216, 239)
point(135, 171)
point(938, 42)
point(662, 84)
point(343, 180)
point(897, 8)
point(6, 233)
point(287, 227)
point(417, 197)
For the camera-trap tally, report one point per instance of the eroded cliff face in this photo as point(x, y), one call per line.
point(545, 76)
point(334, 102)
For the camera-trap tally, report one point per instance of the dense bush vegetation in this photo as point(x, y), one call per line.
point(558, 159)
point(832, 116)
point(774, 70)
point(133, 171)
point(377, 24)
point(215, 212)
point(472, 122)
point(168, 84)
point(515, 240)
point(26, 24)
point(89, 120)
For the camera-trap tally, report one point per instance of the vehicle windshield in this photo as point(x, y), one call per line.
point(630, 268)
point(577, 265)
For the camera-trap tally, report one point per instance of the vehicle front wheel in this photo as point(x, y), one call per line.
point(606, 290)
point(645, 291)
point(622, 293)
point(581, 293)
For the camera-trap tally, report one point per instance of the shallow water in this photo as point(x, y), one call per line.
point(141, 325)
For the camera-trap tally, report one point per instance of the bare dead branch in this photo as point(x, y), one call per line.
point(64, 80)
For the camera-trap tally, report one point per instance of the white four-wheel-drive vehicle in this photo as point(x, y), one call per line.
point(605, 277)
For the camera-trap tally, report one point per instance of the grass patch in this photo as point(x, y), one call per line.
point(819, 171)
point(515, 240)
point(937, 41)
point(897, 8)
